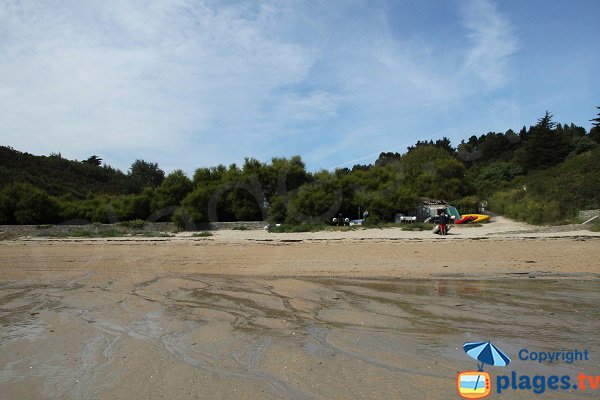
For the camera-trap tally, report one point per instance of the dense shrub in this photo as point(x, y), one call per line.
point(22, 203)
point(135, 224)
point(547, 171)
point(519, 205)
point(467, 205)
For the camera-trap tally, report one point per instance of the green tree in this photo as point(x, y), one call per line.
point(545, 122)
point(94, 160)
point(387, 158)
point(203, 176)
point(544, 147)
point(494, 145)
point(443, 144)
point(22, 203)
point(194, 207)
point(595, 131)
point(239, 204)
point(316, 202)
point(277, 211)
point(144, 174)
point(288, 175)
point(172, 190)
point(5, 209)
point(421, 160)
point(581, 144)
point(445, 182)
point(134, 206)
point(500, 171)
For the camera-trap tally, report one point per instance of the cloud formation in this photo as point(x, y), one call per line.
point(147, 74)
point(192, 82)
point(492, 42)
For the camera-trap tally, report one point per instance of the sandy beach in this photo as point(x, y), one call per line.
point(326, 315)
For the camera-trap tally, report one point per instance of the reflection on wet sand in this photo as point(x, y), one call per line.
point(201, 336)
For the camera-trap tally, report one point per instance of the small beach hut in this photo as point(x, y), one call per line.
point(429, 208)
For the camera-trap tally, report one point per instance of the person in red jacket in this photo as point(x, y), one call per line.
point(443, 221)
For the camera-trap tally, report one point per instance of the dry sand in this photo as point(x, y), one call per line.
point(253, 315)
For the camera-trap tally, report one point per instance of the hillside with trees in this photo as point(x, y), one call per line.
point(544, 173)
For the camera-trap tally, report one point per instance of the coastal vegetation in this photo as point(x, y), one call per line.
point(105, 233)
point(540, 174)
point(202, 234)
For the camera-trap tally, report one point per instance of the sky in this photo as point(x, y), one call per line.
point(196, 83)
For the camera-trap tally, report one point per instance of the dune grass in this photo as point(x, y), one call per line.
point(108, 233)
point(202, 234)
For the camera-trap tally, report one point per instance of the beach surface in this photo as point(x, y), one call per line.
point(326, 315)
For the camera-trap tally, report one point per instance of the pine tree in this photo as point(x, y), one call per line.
point(544, 146)
point(94, 160)
point(546, 122)
point(595, 131)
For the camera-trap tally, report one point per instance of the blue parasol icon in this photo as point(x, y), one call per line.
point(487, 353)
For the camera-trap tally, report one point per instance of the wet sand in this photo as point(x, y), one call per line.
point(209, 319)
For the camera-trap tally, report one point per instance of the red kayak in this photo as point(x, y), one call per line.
point(466, 219)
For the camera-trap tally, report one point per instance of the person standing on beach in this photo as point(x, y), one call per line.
point(443, 221)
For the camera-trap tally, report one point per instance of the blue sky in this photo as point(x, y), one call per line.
point(189, 83)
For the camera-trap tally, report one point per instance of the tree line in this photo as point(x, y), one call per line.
point(541, 173)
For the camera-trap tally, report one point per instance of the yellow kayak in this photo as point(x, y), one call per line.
point(478, 217)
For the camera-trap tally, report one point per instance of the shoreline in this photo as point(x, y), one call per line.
point(236, 316)
point(572, 256)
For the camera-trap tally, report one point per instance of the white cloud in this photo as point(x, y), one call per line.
point(312, 107)
point(404, 89)
point(116, 75)
point(492, 42)
point(197, 82)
